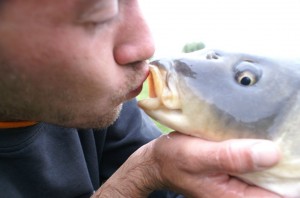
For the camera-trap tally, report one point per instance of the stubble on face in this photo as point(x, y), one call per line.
point(70, 117)
point(134, 78)
point(107, 119)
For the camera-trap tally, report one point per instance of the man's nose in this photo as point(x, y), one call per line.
point(134, 42)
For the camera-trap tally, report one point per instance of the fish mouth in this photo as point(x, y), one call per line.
point(162, 90)
point(156, 84)
point(156, 80)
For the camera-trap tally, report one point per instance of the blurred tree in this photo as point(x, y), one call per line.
point(194, 46)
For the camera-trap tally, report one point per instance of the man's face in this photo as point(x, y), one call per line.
point(71, 62)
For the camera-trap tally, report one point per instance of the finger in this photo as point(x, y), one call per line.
point(239, 156)
point(231, 156)
point(230, 187)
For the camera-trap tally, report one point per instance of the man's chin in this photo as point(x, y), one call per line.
point(108, 119)
point(94, 122)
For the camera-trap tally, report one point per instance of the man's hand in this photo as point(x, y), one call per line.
point(193, 167)
point(199, 168)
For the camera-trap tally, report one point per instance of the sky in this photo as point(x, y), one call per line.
point(269, 26)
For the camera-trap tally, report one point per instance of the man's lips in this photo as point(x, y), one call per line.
point(139, 88)
point(135, 92)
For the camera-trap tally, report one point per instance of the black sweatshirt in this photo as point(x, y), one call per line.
point(46, 160)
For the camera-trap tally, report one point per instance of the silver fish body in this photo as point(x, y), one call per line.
point(219, 95)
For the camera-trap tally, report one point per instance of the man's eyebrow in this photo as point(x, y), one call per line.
point(87, 2)
point(96, 4)
point(84, 5)
point(87, 7)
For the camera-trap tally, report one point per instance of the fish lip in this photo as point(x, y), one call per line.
point(151, 82)
point(156, 84)
point(156, 79)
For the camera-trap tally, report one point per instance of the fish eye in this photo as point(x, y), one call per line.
point(246, 78)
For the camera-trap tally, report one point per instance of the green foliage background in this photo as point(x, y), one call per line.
point(193, 46)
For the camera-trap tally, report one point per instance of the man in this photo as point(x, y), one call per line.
point(66, 69)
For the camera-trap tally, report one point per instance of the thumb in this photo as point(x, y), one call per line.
point(241, 156)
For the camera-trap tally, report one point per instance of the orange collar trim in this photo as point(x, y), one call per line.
point(18, 124)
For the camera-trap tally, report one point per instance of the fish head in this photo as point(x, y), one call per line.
point(220, 95)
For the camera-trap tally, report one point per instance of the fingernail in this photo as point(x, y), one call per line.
point(265, 154)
